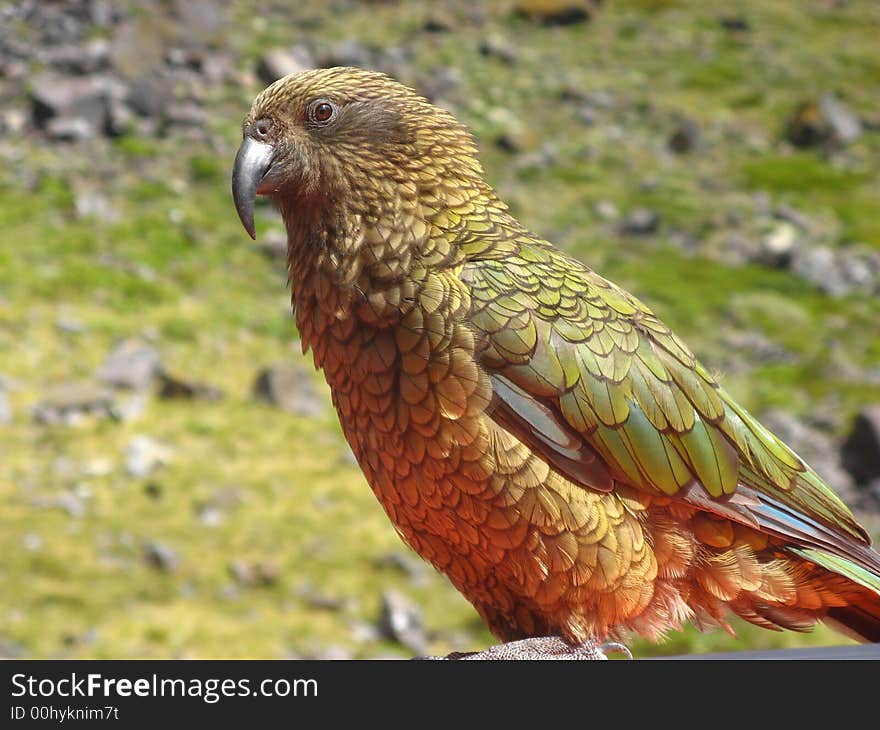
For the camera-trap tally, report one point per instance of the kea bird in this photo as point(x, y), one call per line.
point(531, 429)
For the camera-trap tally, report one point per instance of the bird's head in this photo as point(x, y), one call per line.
point(344, 134)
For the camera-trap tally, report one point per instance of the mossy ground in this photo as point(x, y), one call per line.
point(176, 266)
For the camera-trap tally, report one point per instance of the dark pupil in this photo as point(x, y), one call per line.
point(323, 112)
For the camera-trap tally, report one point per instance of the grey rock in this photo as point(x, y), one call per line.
point(872, 491)
point(334, 652)
point(65, 468)
point(546, 155)
point(13, 121)
point(202, 19)
point(69, 326)
point(104, 13)
point(606, 210)
point(397, 62)
point(564, 12)
point(495, 46)
point(860, 451)
point(547, 648)
point(171, 387)
point(143, 455)
point(217, 68)
point(806, 127)
point(131, 364)
point(685, 137)
point(162, 557)
point(153, 490)
point(735, 23)
point(777, 247)
point(32, 542)
point(70, 129)
point(407, 564)
point(68, 502)
point(516, 136)
point(182, 58)
point(439, 21)
point(79, 59)
point(762, 203)
point(837, 272)
point(640, 222)
point(60, 23)
point(348, 53)
point(684, 240)
point(148, 96)
point(843, 125)
point(5, 409)
point(289, 387)
point(753, 348)
point(587, 115)
point(213, 510)
point(364, 633)
point(7, 382)
point(818, 265)
point(135, 268)
point(94, 204)
point(401, 621)
point(229, 592)
point(56, 98)
point(69, 403)
point(260, 574)
point(274, 244)
point(210, 516)
point(795, 217)
point(860, 269)
point(120, 118)
point(314, 598)
point(226, 498)
point(599, 99)
point(279, 62)
point(10, 649)
point(130, 408)
point(827, 122)
point(737, 249)
point(97, 467)
point(183, 115)
point(440, 82)
point(13, 70)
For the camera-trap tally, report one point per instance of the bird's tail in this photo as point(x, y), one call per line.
point(859, 619)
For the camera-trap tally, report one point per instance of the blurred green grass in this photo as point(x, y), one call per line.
point(177, 267)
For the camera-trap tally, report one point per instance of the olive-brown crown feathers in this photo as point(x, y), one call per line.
point(340, 130)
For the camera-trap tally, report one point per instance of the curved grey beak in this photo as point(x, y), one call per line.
point(251, 163)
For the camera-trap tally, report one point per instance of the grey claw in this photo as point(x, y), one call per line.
point(615, 647)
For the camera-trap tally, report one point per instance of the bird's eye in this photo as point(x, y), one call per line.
point(322, 111)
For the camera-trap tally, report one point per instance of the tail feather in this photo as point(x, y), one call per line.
point(861, 623)
point(861, 618)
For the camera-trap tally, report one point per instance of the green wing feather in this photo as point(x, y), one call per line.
point(842, 566)
point(581, 367)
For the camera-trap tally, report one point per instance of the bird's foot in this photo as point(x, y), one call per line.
point(544, 648)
